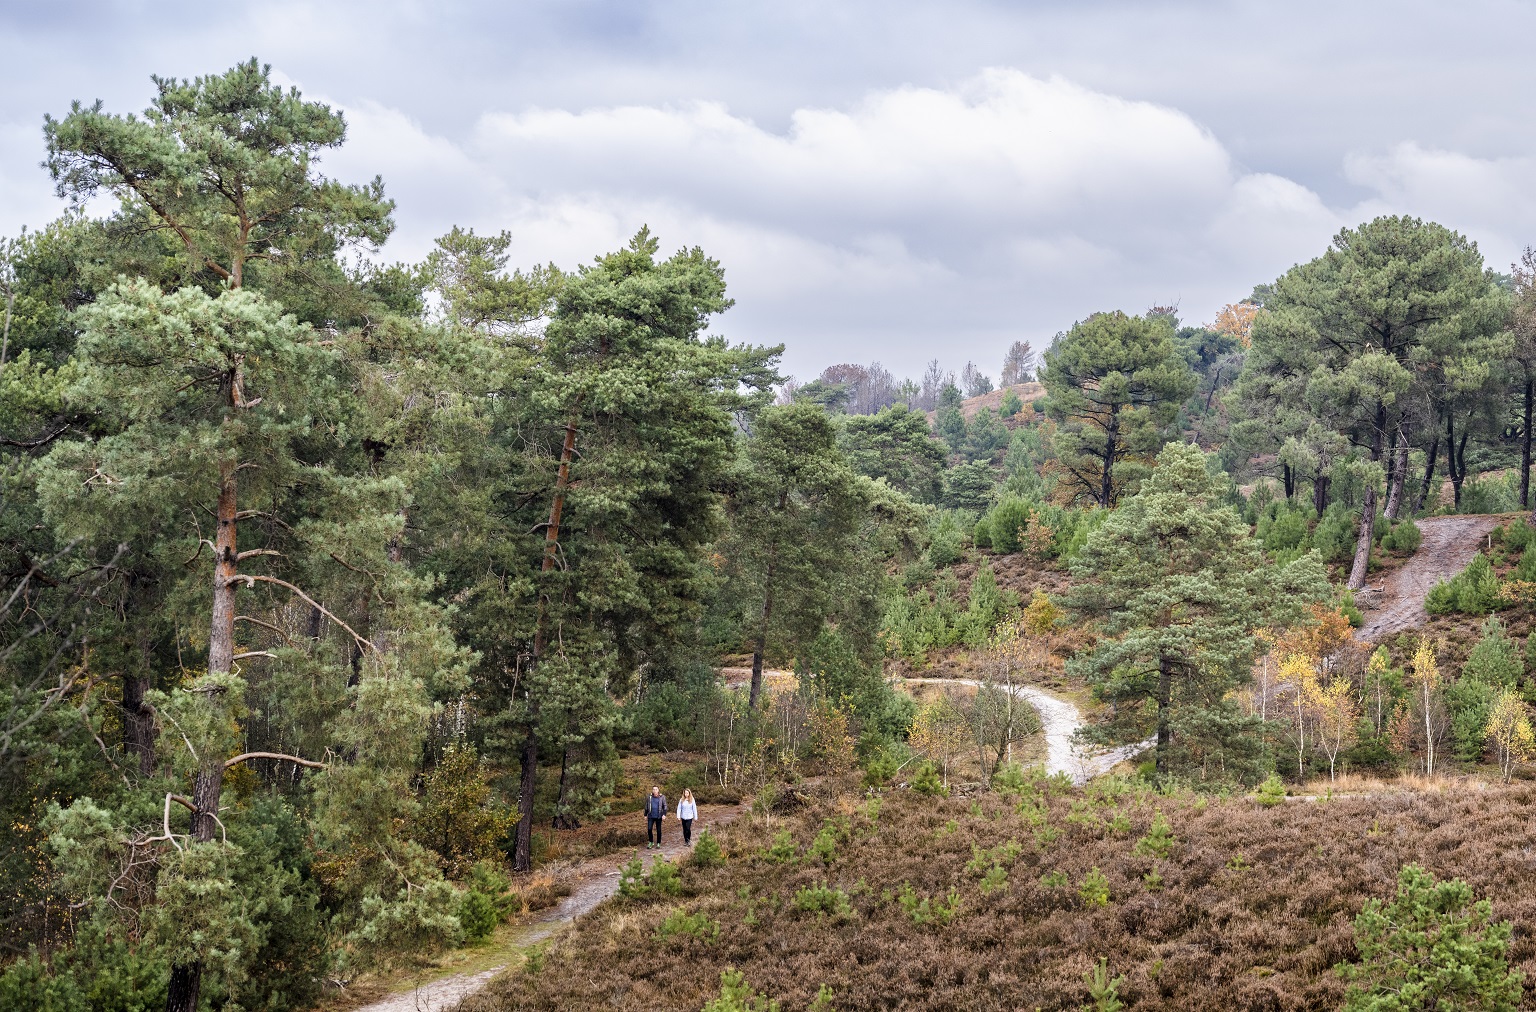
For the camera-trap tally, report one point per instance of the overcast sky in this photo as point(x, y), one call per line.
point(884, 181)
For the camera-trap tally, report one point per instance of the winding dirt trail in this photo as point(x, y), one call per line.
point(1397, 602)
point(595, 881)
point(1059, 721)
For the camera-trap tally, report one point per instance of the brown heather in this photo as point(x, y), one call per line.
point(1254, 910)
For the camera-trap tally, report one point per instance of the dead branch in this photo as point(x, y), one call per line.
point(251, 581)
point(242, 757)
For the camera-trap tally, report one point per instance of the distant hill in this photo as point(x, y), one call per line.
point(971, 406)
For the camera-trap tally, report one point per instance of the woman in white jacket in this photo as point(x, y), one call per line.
point(687, 811)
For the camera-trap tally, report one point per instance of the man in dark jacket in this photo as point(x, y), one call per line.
point(655, 811)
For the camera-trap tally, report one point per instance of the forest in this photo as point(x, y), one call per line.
point(349, 609)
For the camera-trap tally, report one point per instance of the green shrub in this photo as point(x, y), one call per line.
point(925, 910)
point(636, 884)
point(1055, 880)
point(1271, 792)
point(1103, 990)
point(1473, 591)
point(1159, 840)
point(679, 924)
point(823, 1002)
point(926, 780)
point(664, 879)
point(878, 769)
point(1006, 524)
point(1335, 534)
point(1403, 539)
point(981, 537)
point(1430, 947)
point(707, 852)
point(782, 849)
point(1495, 658)
point(1011, 404)
point(824, 843)
point(477, 915)
point(1094, 889)
point(1351, 610)
point(736, 996)
point(823, 899)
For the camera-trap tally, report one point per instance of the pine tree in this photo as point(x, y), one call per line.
point(1180, 589)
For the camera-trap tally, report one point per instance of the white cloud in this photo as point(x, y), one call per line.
point(1491, 199)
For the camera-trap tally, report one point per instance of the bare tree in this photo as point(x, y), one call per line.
point(974, 382)
point(935, 379)
point(1018, 364)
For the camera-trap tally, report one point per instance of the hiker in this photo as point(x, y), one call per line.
point(687, 811)
point(655, 811)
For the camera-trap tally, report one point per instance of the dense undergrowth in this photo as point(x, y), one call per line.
point(1009, 901)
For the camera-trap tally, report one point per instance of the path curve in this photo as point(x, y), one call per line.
point(1060, 720)
point(1396, 603)
point(595, 881)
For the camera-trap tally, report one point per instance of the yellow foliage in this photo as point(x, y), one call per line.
point(1509, 731)
point(1041, 616)
point(1236, 319)
point(1426, 669)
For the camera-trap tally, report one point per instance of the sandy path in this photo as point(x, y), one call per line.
point(1397, 602)
point(1059, 720)
point(595, 881)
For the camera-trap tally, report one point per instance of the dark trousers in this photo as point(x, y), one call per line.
point(652, 826)
point(687, 830)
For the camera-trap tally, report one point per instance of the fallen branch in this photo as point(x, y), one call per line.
point(242, 757)
point(254, 653)
point(251, 581)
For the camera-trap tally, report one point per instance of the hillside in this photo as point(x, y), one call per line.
point(1252, 910)
point(971, 406)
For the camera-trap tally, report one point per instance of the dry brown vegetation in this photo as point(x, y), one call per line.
point(1254, 909)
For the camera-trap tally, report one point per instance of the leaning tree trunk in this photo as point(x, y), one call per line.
point(1399, 478)
point(208, 784)
point(522, 851)
point(1363, 544)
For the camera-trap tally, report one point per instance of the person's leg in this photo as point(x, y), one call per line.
point(687, 831)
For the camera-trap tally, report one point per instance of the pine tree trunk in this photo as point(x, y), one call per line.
point(522, 851)
point(1111, 447)
point(1288, 479)
point(1320, 493)
point(1429, 473)
point(762, 632)
point(1525, 448)
point(186, 983)
point(138, 724)
point(1362, 562)
point(208, 784)
point(1164, 699)
point(1399, 479)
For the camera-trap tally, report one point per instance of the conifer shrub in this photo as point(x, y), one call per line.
point(707, 852)
point(736, 996)
point(1159, 841)
point(477, 915)
point(1473, 591)
point(1271, 792)
point(822, 898)
point(926, 781)
point(680, 924)
point(1430, 946)
point(1404, 538)
point(1093, 890)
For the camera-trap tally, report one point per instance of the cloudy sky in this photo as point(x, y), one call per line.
point(886, 180)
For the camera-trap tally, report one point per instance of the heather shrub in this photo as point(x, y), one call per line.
point(1431, 946)
point(1204, 929)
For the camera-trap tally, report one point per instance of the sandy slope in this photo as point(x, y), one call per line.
point(1397, 602)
